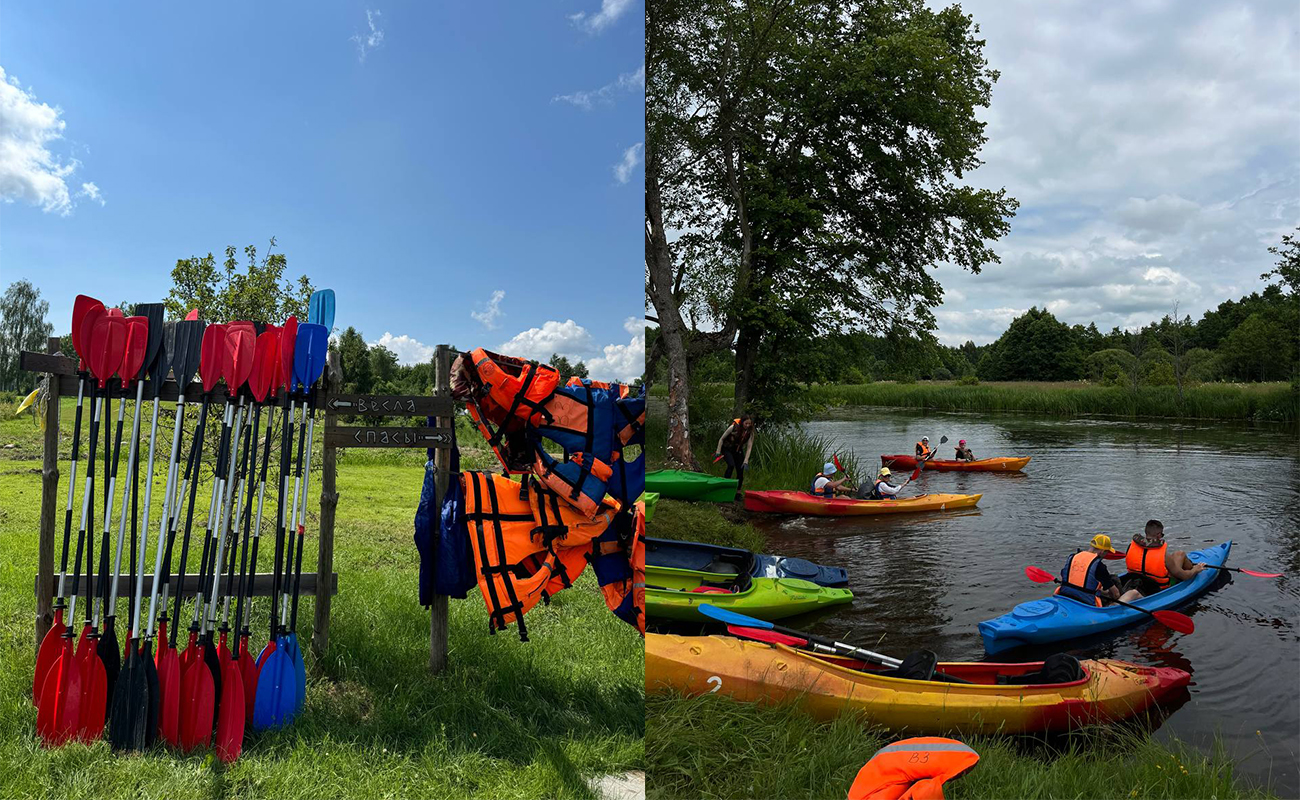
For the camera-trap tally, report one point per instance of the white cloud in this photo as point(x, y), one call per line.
point(626, 82)
point(622, 362)
point(90, 191)
point(610, 11)
point(491, 312)
point(631, 157)
point(567, 338)
point(407, 349)
point(29, 171)
point(367, 41)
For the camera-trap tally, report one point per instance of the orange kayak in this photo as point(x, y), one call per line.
point(826, 686)
point(1004, 464)
point(779, 502)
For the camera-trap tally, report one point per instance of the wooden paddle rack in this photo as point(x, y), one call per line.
point(62, 380)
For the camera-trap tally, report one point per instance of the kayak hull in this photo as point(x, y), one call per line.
point(779, 502)
point(718, 561)
point(670, 594)
point(1056, 618)
point(651, 499)
point(827, 686)
point(677, 484)
point(1004, 464)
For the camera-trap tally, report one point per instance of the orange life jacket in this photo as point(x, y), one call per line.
point(619, 562)
point(1148, 561)
point(924, 448)
point(1081, 576)
point(527, 543)
point(622, 388)
point(913, 769)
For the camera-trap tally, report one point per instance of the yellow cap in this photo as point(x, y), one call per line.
point(1102, 542)
point(884, 472)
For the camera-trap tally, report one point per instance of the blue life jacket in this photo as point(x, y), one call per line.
point(876, 494)
point(828, 491)
point(442, 537)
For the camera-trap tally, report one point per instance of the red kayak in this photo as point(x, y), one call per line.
point(1005, 464)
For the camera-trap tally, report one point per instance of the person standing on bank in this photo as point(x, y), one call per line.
point(735, 445)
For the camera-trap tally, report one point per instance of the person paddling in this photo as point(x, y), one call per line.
point(825, 485)
point(881, 489)
point(1151, 564)
point(738, 436)
point(963, 452)
point(1086, 579)
point(923, 451)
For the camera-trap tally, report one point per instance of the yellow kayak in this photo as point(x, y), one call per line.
point(781, 502)
point(826, 686)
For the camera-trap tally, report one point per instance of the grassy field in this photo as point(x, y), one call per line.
point(1257, 402)
point(714, 747)
point(506, 719)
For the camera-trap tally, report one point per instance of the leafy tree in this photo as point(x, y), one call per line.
point(354, 361)
point(566, 369)
point(383, 366)
point(1287, 267)
point(1257, 350)
point(221, 293)
point(22, 327)
point(1035, 347)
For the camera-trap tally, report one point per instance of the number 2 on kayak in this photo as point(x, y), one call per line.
point(717, 683)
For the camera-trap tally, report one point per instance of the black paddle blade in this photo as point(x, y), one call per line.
point(214, 666)
point(155, 696)
point(189, 343)
point(110, 653)
point(162, 362)
point(130, 705)
point(153, 312)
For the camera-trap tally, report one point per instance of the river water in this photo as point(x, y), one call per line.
point(925, 580)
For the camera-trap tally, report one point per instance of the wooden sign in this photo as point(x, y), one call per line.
point(351, 436)
point(387, 405)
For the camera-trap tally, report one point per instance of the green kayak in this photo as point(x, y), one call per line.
point(678, 484)
point(676, 594)
point(650, 499)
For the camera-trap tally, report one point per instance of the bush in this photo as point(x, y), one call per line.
point(942, 374)
point(1161, 373)
point(906, 378)
point(969, 379)
point(854, 376)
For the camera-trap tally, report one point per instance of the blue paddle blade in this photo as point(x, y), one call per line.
point(309, 353)
point(275, 701)
point(731, 617)
point(299, 673)
point(321, 309)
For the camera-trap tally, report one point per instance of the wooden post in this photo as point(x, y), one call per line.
point(329, 500)
point(442, 477)
point(49, 505)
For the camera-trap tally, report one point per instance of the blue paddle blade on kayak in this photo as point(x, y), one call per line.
point(274, 702)
point(320, 311)
point(731, 617)
point(309, 352)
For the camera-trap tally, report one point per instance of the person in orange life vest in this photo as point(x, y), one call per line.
point(881, 489)
point(738, 435)
point(923, 451)
point(963, 452)
point(1086, 579)
point(1151, 564)
point(825, 485)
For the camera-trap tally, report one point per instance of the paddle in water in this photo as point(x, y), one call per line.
point(1172, 619)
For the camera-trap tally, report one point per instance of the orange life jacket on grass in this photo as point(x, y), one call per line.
point(1148, 561)
point(913, 769)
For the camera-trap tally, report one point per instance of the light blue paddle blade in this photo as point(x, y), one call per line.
point(309, 352)
point(321, 309)
point(276, 688)
point(731, 617)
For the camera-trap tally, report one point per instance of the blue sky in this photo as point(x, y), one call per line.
point(421, 159)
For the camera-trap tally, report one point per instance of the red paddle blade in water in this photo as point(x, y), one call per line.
point(237, 355)
point(211, 354)
point(230, 721)
point(1039, 575)
point(1260, 574)
point(288, 340)
point(1175, 621)
point(137, 344)
point(762, 635)
point(51, 647)
point(60, 709)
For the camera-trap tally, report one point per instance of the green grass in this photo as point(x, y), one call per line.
point(714, 747)
point(506, 719)
point(1258, 402)
point(711, 523)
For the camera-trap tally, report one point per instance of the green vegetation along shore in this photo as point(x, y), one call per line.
point(506, 719)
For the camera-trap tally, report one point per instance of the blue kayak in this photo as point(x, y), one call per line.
point(732, 561)
point(1057, 618)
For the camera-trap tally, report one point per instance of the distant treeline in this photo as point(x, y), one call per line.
point(1256, 338)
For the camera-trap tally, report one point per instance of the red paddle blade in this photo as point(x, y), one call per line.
point(193, 315)
point(716, 459)
point(835, 458)
point(116, 312)
point(94, 696)
point(211, 355)
point(137, 344)
point(169, 696)
point(1039, 575)
point(47, 656)
point(237, 355)
point(288, 340)
point(1260, 574)
point(230, 720)
point(762, 635)
point(107, 346)
point(248, 670)
point(80, 308)
point(266, 363)
point(60, 709)
point(1179, 622)
point(1115, 556)
point(198, 704)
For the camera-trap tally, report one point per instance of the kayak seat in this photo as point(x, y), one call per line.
point(1058, 668)
point(740, 583)
point(918, 665)
point(722, 565)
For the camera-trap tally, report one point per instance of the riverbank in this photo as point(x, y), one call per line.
point(506, 718)
point(712, 746)
point(1249, 402)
